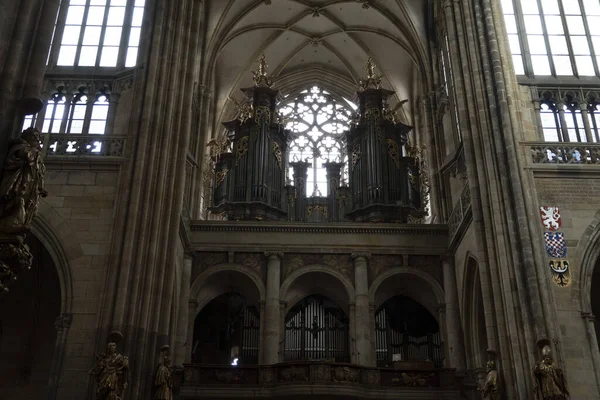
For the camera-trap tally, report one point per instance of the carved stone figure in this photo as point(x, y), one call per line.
point(22, 183)
point(549, 381)
point(489, 391)
point(14, 258)
point(163, 381)
point(111, 371)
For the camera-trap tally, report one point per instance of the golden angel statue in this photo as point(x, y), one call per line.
point(22, 183)
point(163, 381)
point(489, 390)
point(111, 371)
point(549, 381)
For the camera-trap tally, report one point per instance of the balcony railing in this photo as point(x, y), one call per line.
point(84, 145)
point(564, 153)
point(311, 373)
point(461, 210)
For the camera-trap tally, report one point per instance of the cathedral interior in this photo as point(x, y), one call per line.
point(329, 199)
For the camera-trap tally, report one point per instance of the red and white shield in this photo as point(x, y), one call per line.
point(551, 218)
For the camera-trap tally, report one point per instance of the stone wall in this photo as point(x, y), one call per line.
point(82, 204)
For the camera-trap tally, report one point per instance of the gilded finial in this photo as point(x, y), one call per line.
point(372, 81)
point(260, 77)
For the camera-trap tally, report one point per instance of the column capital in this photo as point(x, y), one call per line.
point(365, 255)
point(271, 254)
point(193, 303)
point(63, 321)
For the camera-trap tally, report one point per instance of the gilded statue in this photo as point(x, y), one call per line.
point(489, 390)
point(163, 378)
point(111, 371)
point(260, 77)
point(22, 183)
point(549, 381)
point(372, 80)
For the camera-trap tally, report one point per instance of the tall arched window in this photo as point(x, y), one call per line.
point(97, 33)
point(554, 37)
point(318, 122)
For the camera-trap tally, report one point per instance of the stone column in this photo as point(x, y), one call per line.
point(62, 325)
point(192, 305)
point(362, 324)
point(589, 320)
point(183, 314)
point(272, 315)
point(453, 327)
point(560, 106)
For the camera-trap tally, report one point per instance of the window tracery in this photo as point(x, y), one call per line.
point(318, 123)
point(97, 33)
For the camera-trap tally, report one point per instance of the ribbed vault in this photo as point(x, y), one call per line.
point(324, 42)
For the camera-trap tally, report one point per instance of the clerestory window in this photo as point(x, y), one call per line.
point(318, 123)
point(554, 37)
point(97, 33)
point(72, 113)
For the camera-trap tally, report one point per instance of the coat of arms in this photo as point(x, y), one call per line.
point(551, 218)
point(556, 246)
point(561, 275)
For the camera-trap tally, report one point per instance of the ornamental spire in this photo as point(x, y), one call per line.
point(372, 81)
point(260, 77)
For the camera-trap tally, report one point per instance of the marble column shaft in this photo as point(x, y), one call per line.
point(361, 312)
point(454, 334)
point(272, 309)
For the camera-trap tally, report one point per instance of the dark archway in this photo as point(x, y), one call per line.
point(406, 331)
point(227, 331)
point(316, 328)
point(27, 332)
point(595, 299)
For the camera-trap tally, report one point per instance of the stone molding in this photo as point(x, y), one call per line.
point(349, 229)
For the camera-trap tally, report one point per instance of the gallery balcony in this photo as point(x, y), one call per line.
point(319, 379)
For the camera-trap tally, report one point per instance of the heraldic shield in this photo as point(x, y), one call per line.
point(556, 246)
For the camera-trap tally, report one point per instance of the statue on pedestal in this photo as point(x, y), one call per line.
point(22, 183)
point(163, 378)
point(549, 381)
point(111, 371)
point(489, 391)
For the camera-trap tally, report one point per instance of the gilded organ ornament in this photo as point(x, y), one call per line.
point(260, 76)
point(242, 149)
point(218, 146)
point(372, 81)
point(245, 110)
point(394, 152)
point(220, 176)
point(277, 154)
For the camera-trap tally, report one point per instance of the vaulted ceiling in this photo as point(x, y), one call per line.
point(315, 41)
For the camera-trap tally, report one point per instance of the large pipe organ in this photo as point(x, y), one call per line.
point(253, 173)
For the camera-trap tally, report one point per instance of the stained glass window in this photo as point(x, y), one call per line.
point(318, 122)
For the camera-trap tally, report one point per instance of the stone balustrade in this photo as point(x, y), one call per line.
point(574, 153)
point(460, 212)
point(75, 145)
point(330, 378)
